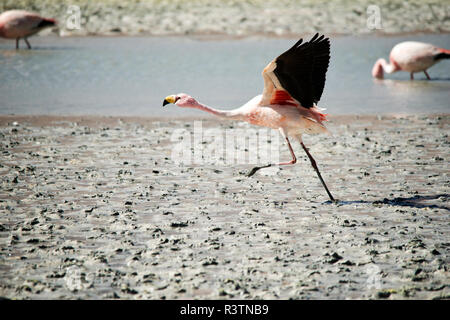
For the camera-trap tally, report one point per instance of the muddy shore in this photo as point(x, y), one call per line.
point(96, 208)
point(239, 18)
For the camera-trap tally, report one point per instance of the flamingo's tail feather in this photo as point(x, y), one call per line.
point(46, 23)
point(443, 54)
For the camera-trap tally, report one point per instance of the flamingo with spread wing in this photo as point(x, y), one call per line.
point(293, 84)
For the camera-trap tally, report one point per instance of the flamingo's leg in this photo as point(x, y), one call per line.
point(28, 44)
point(426, 73)
point(313, 163)
point(294, 159)
point(17, 43)
point(412, 76)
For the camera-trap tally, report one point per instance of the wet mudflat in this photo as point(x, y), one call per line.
point(96, 207)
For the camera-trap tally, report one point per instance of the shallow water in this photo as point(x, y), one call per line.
point(132, 75)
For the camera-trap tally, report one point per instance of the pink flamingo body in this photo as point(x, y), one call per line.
point(412, 57)
point(293, 84)
point(294, 120)
point(16, 24)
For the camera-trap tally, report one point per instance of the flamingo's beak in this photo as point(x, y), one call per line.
point(169, 99)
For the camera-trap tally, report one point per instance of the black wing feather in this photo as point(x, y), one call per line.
point(45, 23)
point(301, 70)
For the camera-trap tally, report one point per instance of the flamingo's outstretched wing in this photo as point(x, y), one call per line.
point(297, 77)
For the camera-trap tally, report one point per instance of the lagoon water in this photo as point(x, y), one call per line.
point(132, 75)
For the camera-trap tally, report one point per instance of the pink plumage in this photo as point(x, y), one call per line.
point(16, 24)
point(293, 84)
point(412, 57)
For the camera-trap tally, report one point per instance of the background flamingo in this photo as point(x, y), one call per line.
point(293, 84)
point(410, 56)
point(16, 24)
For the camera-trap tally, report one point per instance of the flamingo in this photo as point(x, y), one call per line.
point(293, 84)
point(16, 24)
point(410, 56)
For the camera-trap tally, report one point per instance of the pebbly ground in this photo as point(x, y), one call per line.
point(240, 18)
point(96, 208)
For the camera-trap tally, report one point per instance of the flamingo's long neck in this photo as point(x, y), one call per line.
point(388, 67)
point(229, 114)
point(382, 65)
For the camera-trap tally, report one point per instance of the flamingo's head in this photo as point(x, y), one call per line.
point(377, 70)
point(181, 100)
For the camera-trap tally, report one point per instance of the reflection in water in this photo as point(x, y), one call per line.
point(406, 87)
point(9, 53)
point(403, 94)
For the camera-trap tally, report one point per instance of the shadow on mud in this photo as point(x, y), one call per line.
point(417, 201)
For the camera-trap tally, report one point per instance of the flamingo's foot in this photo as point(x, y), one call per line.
point(255, 169)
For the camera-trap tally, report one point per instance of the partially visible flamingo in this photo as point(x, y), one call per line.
point(16, 24)
point(293, 84)
point(410, 56)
